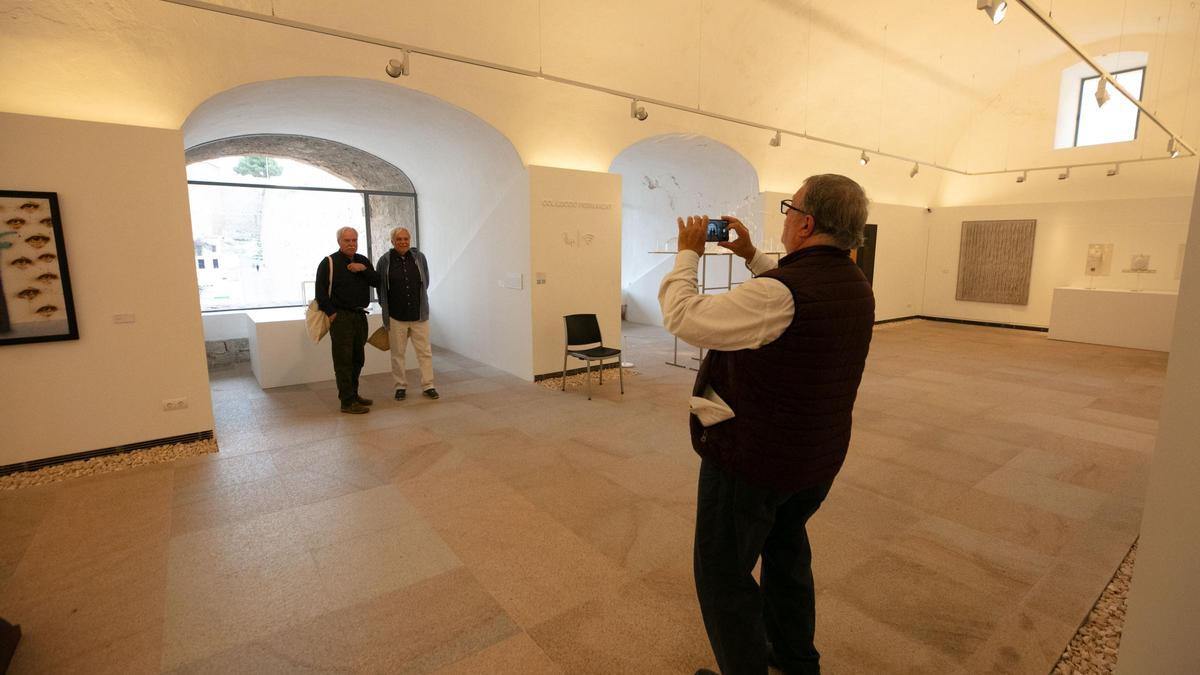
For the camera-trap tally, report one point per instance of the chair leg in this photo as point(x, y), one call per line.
point(564, 388)
point(589, 379)
point(602, 372)
point(621, 375)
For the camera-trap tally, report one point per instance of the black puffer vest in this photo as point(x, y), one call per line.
point(793, 398)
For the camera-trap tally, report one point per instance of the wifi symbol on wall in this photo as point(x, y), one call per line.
point(587, 238)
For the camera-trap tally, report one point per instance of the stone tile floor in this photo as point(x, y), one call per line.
point(994, 484)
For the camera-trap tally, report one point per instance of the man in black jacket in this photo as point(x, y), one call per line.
point(346, 304)
point(771, 416)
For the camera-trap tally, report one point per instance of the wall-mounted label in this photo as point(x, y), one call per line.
point(557, 204)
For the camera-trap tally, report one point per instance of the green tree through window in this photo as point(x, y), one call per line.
point(260, 167)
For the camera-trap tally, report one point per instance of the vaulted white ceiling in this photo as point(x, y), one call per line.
point(933, 81)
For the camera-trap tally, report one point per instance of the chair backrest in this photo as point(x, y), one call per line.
point(582, 329)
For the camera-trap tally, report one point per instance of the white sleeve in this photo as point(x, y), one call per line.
point(761, 262)
point(747, 317)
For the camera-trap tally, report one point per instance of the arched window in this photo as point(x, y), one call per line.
point(266, 210)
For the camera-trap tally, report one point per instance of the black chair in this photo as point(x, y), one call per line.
point(582, 331)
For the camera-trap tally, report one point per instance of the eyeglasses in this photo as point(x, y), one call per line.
point(786, 205)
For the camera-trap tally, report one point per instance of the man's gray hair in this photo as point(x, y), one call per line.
point(343, 229)
point(838, 206)
point(392, 234)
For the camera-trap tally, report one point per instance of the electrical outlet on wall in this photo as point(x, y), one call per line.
point(174, 403)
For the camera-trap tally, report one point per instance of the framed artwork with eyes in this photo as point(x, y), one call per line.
point(35, 285)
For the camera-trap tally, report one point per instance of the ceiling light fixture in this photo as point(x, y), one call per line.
point(1113, 171)
point(1065, 174)
point(996, 9)
point(1102, 93)
point(774, 142)
point(397, 67)
point(637, 112)
point(1024, 175)
point(1172, 150)
point(863, 160)
point(915, 170)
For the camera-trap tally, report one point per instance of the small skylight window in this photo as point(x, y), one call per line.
point(1116, 120)
point(1080, 121)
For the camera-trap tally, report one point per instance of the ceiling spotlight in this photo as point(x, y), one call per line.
point(1065, 174)
point(1102, 93)
point(637, 112)
point(863, 160)
point(1172, 150)
point(397, 67)
point(776, 140)
point(1113, 171)
point(996, 9)
point(915, 170)
point(1024, 175)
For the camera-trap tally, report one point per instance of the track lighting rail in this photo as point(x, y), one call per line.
point(636, 99)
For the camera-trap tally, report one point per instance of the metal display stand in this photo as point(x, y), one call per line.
point(704, 290)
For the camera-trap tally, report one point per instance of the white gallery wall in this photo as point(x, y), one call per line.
point(666, 177)
point(1164, 598)
point(123, 201)
point(472, 193)
point(575, 256)
point(1155, 227)
point(900, 248)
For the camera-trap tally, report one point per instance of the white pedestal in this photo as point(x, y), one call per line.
point(281, 353)
point(1120, 318)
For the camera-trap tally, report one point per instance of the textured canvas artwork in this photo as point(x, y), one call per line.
point(35, 289)
point(995, 261)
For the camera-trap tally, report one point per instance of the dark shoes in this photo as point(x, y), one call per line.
point(363, 401)
point(401, 394)
point(355, 408)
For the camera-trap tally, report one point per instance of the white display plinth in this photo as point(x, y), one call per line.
point(1120, 318)
point(281, 353)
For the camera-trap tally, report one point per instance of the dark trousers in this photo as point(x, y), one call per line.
point(736, 523)
point(348, 335)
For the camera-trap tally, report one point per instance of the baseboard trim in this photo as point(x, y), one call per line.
point(989, 324)
point(899, 318)
point(35, 464)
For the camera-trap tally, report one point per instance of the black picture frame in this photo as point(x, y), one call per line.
point(36, 304)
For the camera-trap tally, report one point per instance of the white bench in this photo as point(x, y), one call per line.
point(281, 353)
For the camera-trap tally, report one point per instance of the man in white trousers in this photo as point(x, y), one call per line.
point(404, 299)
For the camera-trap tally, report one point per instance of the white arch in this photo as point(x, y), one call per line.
point(472, 186)
point(668, 176)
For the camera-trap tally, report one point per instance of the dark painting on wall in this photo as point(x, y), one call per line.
point(35, 287)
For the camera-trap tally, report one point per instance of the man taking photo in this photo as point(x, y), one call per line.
point(771, 416)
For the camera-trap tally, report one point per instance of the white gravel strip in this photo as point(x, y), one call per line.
point(106, 464)
point(1093, 650)
point(579, 379)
